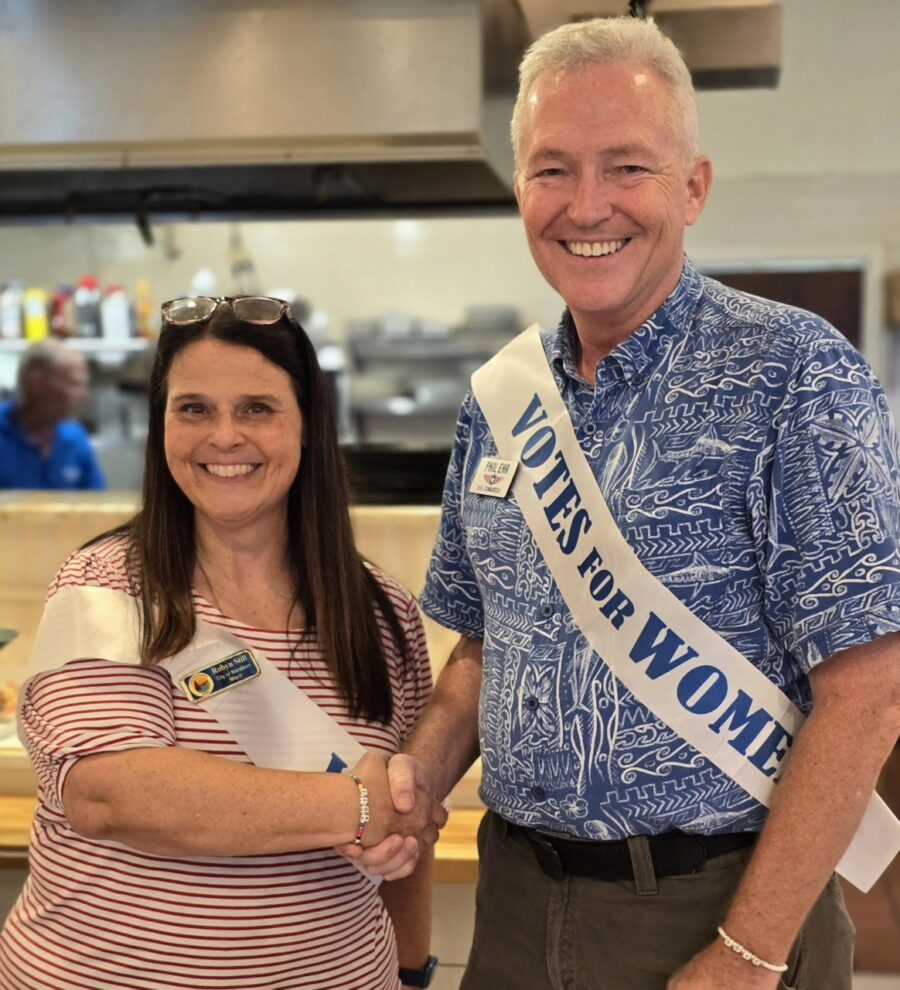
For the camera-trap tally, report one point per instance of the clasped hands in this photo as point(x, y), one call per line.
point(404, 814)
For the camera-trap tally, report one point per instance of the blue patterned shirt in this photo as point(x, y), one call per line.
point(748, 456)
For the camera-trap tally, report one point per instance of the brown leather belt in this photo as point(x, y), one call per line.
point(673, 853)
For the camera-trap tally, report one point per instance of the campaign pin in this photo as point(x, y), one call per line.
point(493, 477)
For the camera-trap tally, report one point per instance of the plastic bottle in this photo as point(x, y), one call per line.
point(11, 311)
point(62, 312)
point(145, 313)
point(87, 307)
point(115, 317)
point(37, 321)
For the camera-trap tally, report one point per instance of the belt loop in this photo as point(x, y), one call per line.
point(642, 865)
point(547, 856)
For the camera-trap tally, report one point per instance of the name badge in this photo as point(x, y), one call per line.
point(493, 477)
point(220, 676)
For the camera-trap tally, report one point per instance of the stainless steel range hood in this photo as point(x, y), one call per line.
point(279, 107)
point(727, 44)
point(270, 106)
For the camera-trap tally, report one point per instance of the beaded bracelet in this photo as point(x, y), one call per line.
point(748, 955)
point(363, 809)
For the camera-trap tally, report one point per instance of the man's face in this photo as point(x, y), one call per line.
point(62, 390)
point(605, 192)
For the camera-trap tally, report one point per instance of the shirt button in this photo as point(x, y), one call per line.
point(546, 610)
point(589, 429)
point(538, 793)
point(531, 703)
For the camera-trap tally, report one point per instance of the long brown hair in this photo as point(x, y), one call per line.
point(339, 595)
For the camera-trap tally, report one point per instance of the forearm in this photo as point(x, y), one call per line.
point(445, 741)
point(181, 802)
point(817, 807)
point(408, 902)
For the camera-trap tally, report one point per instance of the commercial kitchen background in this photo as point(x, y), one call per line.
point(807, 175)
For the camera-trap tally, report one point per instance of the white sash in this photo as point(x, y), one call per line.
point(268, 716)
point(671, 661)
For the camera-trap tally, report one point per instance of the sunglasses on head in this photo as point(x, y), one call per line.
point(260, 310)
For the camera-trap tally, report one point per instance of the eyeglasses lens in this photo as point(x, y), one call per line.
point(258, 309)
point(191, 309)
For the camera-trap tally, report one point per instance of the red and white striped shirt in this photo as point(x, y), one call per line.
point(99, 915)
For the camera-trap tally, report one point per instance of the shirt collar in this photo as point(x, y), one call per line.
point(639, 351)
point(7, 423)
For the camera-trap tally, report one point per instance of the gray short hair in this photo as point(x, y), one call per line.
point(48, 354)
point(610, 41)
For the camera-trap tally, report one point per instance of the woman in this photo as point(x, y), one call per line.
point(186, 820)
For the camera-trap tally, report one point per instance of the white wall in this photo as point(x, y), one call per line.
point(812, 169)
point(836, 107)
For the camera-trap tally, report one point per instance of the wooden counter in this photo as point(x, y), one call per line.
point(456, 855)
point(15, 827)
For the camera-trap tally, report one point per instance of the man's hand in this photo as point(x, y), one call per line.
point(420, 815)
point(407, 775)
point(417, 813)
point(717, 968)
point(815, 810)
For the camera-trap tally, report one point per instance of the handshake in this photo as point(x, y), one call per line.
point(404, 815)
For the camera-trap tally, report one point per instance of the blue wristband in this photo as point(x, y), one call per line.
point(419, 977)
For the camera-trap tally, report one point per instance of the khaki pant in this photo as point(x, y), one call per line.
point(534, 933)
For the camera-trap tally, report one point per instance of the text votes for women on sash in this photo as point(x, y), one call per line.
point(701, 688)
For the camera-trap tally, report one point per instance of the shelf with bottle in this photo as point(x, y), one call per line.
point(80, 315)
point(87, 345)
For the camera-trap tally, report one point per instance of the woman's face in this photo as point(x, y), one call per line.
point(233, 432)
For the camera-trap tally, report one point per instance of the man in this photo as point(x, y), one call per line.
point(40, 445)
point(747, 459)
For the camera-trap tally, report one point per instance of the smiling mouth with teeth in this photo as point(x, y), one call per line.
point(230, 470)
point(594, 249)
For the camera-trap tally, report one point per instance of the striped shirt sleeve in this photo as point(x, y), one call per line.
point(85, 707)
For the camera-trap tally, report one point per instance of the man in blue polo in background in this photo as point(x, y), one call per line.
point(41, 446)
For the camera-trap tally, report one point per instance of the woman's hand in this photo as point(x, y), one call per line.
point(421, 822)
point(392, 840)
